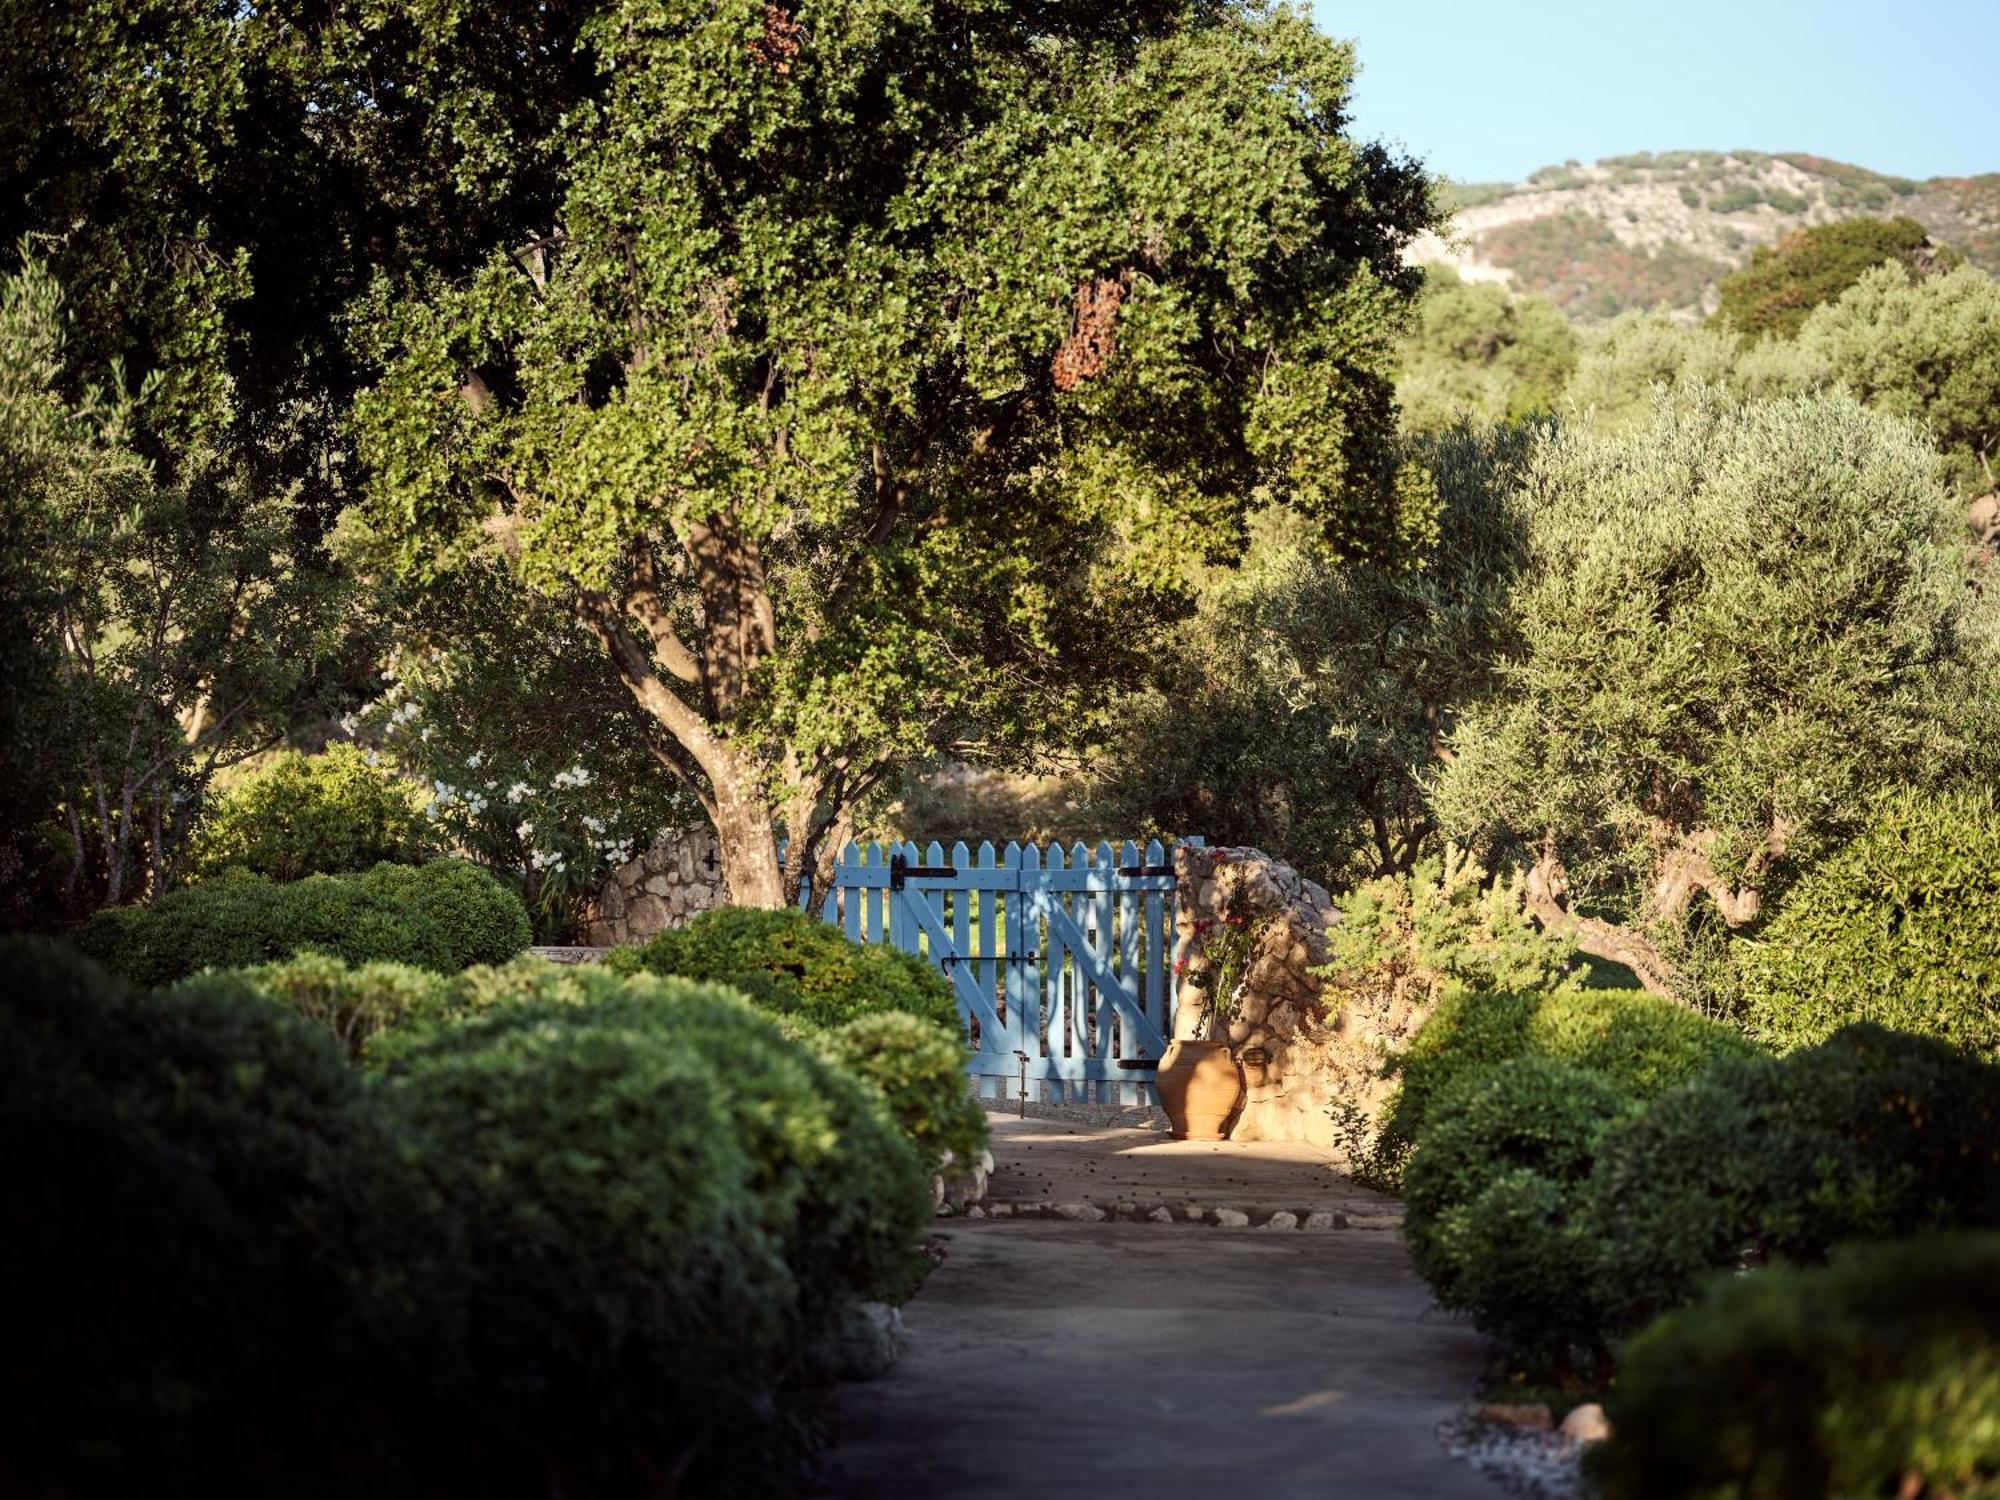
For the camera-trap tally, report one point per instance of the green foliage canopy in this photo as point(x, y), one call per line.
point(301, 815)
point(854, 346)
point(1479, 354)
point(1309, 696)
point(1900, 926)
point(1784, 283)
point(1927, 348)
point(1734, 624)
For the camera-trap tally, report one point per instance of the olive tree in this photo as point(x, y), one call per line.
point(1923, 347)
point(1732, 624)
point(1308, 701)
point(870, 374)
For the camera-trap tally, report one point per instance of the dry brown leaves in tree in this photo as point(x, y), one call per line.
point(1092, 336)
point(779, 44)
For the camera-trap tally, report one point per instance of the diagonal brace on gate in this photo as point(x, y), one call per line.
point(970, 995)
point(1139, 1026)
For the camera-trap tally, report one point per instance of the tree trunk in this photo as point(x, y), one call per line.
point(1547, 893)
point(746, 834)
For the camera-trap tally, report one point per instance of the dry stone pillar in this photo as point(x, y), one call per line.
point(675, 880)
point(1250, 937)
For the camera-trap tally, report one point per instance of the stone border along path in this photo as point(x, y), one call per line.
point(1162, 1359)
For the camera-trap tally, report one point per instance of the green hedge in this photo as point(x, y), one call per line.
point(1902, 927)
point(1642, 1043)
point(1564, 1211)
point(432, 917)
point(1871, 1133)
point(676, 1202)
point(586, 1238)
point(794, 964)
point(1492, 1193)
point(215, 1248)
point(481, 920)
point(1877, 1375)
point(302, 815)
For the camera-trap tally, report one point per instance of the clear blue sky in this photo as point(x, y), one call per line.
point(1486, 90)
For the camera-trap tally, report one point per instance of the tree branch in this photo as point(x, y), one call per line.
point(645, 602)
point(635, 668)
point(1547, 893)
point(660, 754)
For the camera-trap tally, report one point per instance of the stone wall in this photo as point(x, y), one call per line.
point(675, 880)
point(1302, 1058)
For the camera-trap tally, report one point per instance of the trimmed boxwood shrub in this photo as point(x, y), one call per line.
point(1491, 1192)
point(236, 923)
point(1876, 1375)
point(819, 981)
point(674, 1202)
point(794, 964)
point(355, 1004)
point(1871, 1133)
point(482, 921)
point(206, 1286)
point(302, 815)
point(1642, 1043)
point(1902, 927)
point(917, 1067)
point(436, 916)
point(920, 1072)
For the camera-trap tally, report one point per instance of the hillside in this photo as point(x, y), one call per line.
point(1659, 230)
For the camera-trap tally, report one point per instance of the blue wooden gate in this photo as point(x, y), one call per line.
point(1062, 964)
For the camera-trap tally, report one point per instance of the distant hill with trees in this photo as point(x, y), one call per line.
point(1661, 230)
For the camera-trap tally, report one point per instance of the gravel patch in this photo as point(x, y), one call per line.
point(1538, 1465)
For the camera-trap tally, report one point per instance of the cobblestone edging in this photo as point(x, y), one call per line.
point(1153, 1211)
point(572, 954)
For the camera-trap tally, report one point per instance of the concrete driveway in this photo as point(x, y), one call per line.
point(1164, 1360)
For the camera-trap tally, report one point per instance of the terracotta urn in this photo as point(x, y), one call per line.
point(1200, 1087)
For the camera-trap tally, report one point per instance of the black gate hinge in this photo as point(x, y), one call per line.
point(900, 870)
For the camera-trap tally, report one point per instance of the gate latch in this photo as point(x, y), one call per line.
point(900, 870)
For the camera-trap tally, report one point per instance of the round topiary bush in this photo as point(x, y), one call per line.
point(1901, 927)
point(920, 1072)
point(1872, 1133)
point(797, 965)
point(354, 1004)
point(215, 1290)
point(1877, 1375)
point(241, 922)
point(481, 920)
point(1644, 1044)
point(671, 1202)
point(1492, 1220)
point(301, 815)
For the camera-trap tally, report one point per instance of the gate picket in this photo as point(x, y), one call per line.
point(1059, 959)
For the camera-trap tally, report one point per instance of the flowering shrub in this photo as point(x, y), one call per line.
point(552, 806)
point(1223, 946)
